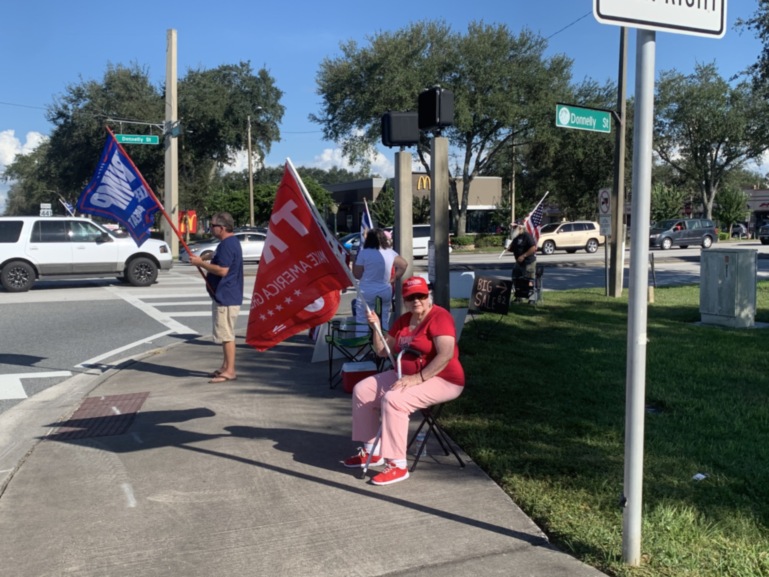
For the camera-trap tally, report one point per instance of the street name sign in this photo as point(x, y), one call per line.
point(695, 17)
point(137, 139)
point(582, 118)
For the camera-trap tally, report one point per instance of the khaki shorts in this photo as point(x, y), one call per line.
point(224, 322)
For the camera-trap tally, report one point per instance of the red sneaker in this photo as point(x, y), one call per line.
point(390, 475)
point(359, 460)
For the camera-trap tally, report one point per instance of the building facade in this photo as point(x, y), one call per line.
point(485, 195)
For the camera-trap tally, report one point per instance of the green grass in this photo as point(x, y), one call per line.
point(544, 415)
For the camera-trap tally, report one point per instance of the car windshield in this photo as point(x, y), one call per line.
point(666, 224)
point(548, 228)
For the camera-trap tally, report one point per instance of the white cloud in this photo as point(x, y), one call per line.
point(333, 158)
point(10, 147)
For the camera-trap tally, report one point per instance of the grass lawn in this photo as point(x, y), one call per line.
point(544, 415)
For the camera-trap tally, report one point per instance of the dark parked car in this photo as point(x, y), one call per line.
point(683, 232)
point(763, 233)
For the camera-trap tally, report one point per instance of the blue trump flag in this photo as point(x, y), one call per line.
point(118, 191)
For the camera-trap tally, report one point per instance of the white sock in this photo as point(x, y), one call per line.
point(400, 463)
point(369, 447)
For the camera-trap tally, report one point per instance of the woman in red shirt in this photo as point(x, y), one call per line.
point(432, 377)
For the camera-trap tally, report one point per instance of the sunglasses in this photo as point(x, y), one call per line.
point(217, 225)
point(412, 298)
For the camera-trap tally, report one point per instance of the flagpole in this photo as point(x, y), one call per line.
point(155, 198)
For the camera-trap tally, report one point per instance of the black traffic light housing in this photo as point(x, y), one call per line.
point(400, 129)
point(436, 108)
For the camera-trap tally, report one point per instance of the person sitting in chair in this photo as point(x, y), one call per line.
point(432, 378)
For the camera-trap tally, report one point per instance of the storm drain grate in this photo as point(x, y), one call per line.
point(100, 417)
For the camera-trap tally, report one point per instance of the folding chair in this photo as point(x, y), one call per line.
point(345, 337)
point(430, 417)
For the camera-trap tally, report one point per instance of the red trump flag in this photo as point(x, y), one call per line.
point(301, 271)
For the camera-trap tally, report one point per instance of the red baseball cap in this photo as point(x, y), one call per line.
point(415, 285)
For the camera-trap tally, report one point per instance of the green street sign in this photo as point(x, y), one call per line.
point(582, 118)
point(137, 139)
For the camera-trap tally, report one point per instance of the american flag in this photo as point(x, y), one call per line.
point(534, 221)
point(365, 223)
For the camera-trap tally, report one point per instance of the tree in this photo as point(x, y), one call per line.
point(732, 207)
point(502, 86)
point(666, 202)
point(214, 106)
point(704, 128)
point(759, 23)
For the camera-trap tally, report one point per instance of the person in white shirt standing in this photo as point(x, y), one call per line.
point(377, 267)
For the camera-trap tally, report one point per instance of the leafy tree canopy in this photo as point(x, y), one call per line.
point(502, 85)
point(705, 128)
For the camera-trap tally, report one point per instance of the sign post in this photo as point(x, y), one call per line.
point(700, 18)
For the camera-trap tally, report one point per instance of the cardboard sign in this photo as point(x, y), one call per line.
point(491, 295)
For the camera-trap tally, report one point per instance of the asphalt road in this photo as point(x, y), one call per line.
point(62, 328)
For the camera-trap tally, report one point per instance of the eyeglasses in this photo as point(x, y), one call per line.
point(215, 225)
point(412, 298)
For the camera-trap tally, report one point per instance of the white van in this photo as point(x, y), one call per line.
point(33, 247)
point(420, 240)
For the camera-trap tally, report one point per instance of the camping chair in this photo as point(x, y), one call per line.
point(345, 337)
point(430, 417)
point(526, 288)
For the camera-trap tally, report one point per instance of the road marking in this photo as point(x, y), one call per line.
point(154, 313)
point(11, 387)
point(129, 495)
point(89, 364)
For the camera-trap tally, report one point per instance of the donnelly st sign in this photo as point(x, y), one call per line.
point(137, 139)
point(695, 17)
point(582, 118)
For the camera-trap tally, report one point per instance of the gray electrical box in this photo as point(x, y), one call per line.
point(728, 287)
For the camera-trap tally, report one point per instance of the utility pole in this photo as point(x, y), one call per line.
point(171, 145)
point(617, 253)
point(250, 178)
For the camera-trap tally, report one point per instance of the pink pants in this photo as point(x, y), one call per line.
point(374, 395)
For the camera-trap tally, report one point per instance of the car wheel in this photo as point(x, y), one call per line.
point(207, 254)
point(591, 246)
point(141, 271)
point(707, 242)
point(765, 241)
point(666, 244)
point(18, 276)
point(548, 247)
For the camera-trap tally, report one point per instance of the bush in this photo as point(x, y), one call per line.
point(490, 240)
point(723, 236)
point(461, 241)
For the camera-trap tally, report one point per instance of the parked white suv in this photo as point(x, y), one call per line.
point(33, 247)
point(420, 240)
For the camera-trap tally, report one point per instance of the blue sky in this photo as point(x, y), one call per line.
point(46, 45)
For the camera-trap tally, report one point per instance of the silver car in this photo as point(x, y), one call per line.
point(252, 244)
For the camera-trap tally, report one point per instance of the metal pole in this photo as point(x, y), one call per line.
point(635, 386)
point(171, 145)
point(439, 220)
point(404, 219)
point(617, 263)
point(250, 178)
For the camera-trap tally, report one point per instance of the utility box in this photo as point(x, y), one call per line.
point(728, 287)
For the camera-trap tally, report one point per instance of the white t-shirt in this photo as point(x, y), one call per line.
point(377, 267)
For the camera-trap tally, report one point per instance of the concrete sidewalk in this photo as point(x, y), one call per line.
point(242, 478)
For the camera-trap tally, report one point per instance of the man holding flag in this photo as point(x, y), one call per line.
point(225, 285)
point(524, 248)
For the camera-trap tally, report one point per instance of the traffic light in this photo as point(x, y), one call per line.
point(400, 129)
point(436, 108)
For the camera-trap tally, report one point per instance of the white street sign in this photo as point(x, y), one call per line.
point(604, 202)
point(695, 17)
